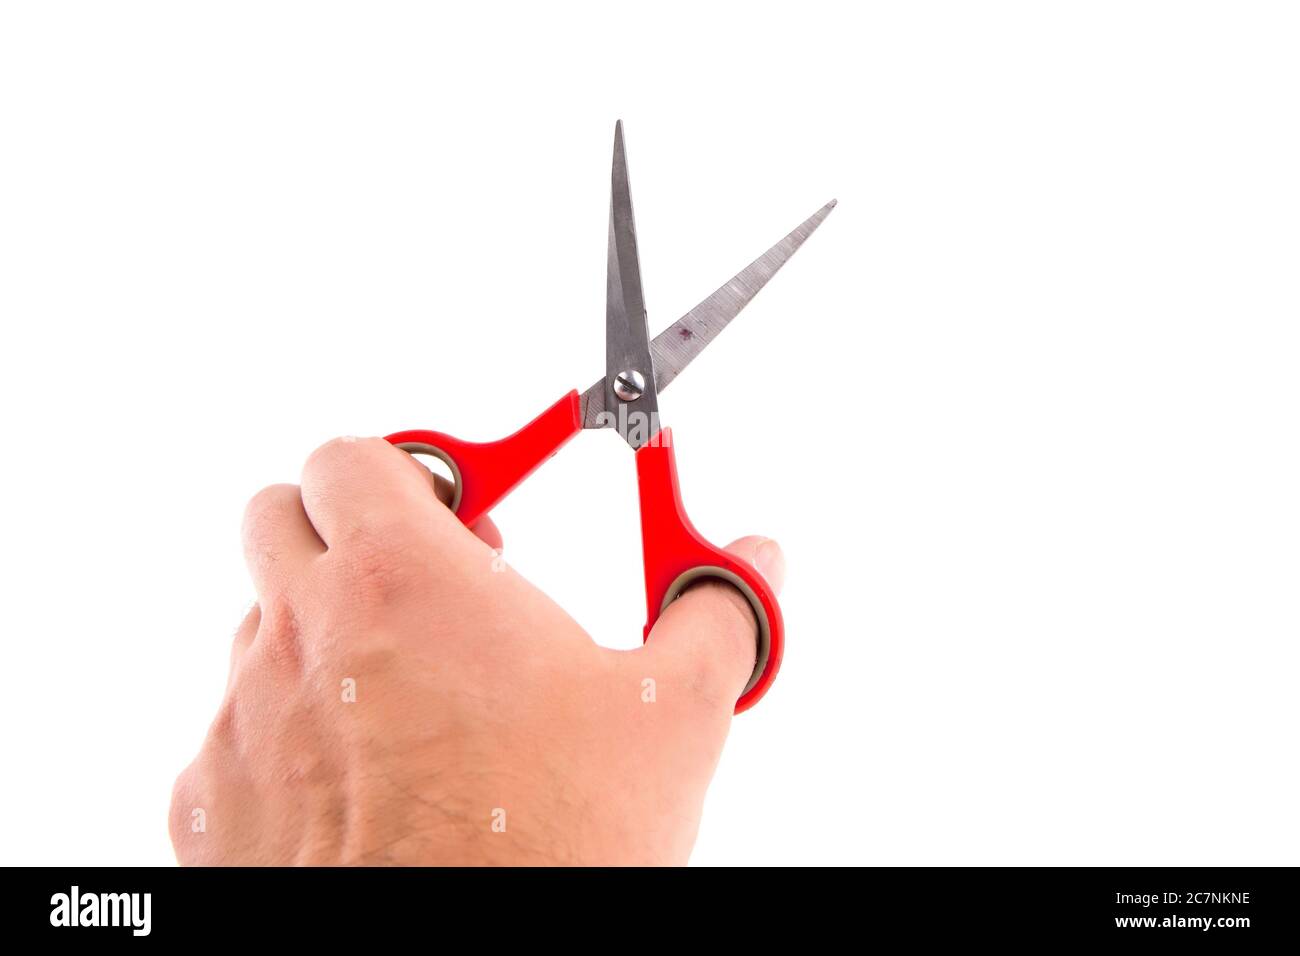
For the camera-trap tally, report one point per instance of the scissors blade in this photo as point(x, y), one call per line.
point(629, 370)
point(681, 342)
point(676, 346)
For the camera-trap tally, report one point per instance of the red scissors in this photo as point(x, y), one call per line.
point(627, 398)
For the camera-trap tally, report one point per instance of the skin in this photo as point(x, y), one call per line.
point(486, 726)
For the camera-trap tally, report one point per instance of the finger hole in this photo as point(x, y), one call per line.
point(447, 481)
point(763, 644)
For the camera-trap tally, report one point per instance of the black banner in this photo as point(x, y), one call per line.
point(1229, 908)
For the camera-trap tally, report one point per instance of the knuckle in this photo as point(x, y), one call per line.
point(248, 627)
point(225, 725)
point(263, 507)
point(279, 636)
point(346, 452)
point(182, 787)
point(377, 567)
point(266, 517)
point(182, 807)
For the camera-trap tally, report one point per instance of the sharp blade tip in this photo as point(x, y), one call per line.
point(620, 151)
point(817, 218)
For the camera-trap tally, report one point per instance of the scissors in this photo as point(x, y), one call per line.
point(626, 398)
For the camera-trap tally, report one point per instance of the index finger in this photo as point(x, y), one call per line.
point(353, 486)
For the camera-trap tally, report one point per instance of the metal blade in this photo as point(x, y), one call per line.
point(629, 384)
point(676, 346)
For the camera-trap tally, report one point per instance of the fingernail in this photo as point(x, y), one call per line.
point(770, 561)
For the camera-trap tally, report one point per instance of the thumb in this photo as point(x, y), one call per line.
point(710, 632)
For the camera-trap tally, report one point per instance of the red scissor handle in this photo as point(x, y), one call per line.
point(676, 556)
point(485, 472)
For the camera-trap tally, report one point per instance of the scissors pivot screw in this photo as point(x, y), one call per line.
point(629, 385)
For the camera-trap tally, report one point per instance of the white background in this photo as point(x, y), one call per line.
point(1023, 412)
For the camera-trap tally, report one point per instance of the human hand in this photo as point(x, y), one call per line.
point(398, 694)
